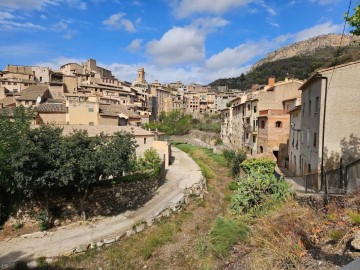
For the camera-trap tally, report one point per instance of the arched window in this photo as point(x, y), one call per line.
point(278, 124)
point(261, 149)
point(262, 124)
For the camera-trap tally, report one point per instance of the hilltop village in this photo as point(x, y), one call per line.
point(282, 118)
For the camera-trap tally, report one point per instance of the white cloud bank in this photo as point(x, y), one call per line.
point(230, 62)
point(117, 21)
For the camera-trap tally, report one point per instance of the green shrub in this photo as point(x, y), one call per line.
point(42, 220)
point(257, 190)
point(218, 141)
point(336, 235)
point(18, 225)
point(226, 233)
point(233, 185)
point(234, 159)
point(261, 165)
point(355, 217)
point(150, 162)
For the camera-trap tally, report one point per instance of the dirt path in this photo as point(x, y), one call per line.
point(180, 242)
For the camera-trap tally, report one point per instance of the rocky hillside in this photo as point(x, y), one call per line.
point(307, 47)
point(298, 60)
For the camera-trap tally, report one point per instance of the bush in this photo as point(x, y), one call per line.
point(42, 220)
point(234, 159)
point(150, 162)
point(257, 191)
point(226, 233)
point(355, 217)
point(336, 235)
point(261, 165)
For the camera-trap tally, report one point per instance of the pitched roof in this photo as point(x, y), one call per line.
point(33, 92)
point(97, 130)
point(7, 101)
point(116, 109)
point(51, 107)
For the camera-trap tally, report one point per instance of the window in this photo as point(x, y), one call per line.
point(309, 168)
point(248, 106)
point(254, 139)
point(303, 108)
point(309, 111)
point(302, 136)
point(308, 137)
point(255, 109)
point(247, 135)
point(91, 123)
point(144, 140)
point(91, 109)
point(278, 124)
point(317, 100)
point(261, 149)
point(40, 79)
point(262, 124)
point(314, 139)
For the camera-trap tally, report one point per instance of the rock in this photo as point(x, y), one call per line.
point(34, 235)
point(93, 245)
point(57, 222)
point(166, 213)
point(150, 222)
point(355, 243)
point(121, 236)
point(81, 248)
point(68, 252)
point(109, 240)
point(32, 264)
point(99, 244)
point(49, 260)
point(129, 233)
point(140, 227)
point(7, 239)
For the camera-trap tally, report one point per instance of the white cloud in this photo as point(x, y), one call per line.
point(40, 4)
point(56, 63)
point(187, 74)
point(178, 45)
point(235, 57)
point(117, 21)
point(325, 2)
point(27, 4)
point(319, 29)
point(63, 27)
point(184, 8)
point(184, 44)
point(135, 45)
point(9, 22)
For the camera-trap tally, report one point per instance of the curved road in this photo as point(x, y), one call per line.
point(182, 174)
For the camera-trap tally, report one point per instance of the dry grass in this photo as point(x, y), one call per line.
point(276, 238)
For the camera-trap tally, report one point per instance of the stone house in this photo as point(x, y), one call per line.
point(330, 110)
point(33, 95)
point(295, 141)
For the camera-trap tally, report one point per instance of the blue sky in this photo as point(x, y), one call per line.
point(188, 40)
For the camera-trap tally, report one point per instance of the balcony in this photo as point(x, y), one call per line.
point(247, 127)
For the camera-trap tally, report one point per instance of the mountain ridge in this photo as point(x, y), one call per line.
point(299, 59)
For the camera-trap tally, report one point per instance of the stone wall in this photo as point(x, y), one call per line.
point(103, 200)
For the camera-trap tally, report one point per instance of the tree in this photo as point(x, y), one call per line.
point(14, 126)
point(81, 163)
point(354, 20)
point(150, 162)
point(118, 154)
point(36, 164)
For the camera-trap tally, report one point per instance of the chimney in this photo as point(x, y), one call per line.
point(271, 81)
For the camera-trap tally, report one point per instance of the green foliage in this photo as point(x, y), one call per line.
point(150, 162)
point(13, 129)
point(36, 162)
point(166, 234)
point(355, 217)
point(172, 123)
point(354, 21)
point(42, 219)
point(301, 67)
point(118, 155)
point(18, 225)
point(257, 191)
point(226, 233)
point(261, 165)
point(218, 141)
point(336, 235)
point(218, 158)
point(234, 159)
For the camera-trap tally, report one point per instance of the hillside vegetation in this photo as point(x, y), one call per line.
point(300, 66)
